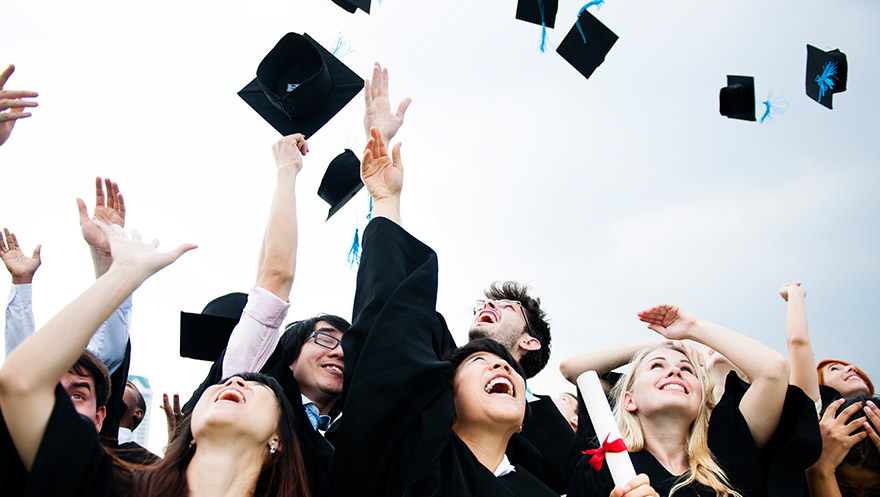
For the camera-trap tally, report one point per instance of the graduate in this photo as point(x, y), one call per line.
point(416, 423)
point(668, 417)
point(238, 441)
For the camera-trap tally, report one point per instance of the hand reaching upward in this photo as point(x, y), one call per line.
point(382, 175)
point(378, 113)
point(110, 210)
point(20, 266)
point(11, 105)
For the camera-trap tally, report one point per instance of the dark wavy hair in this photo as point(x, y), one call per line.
point(282, 475)
point(863, 454)
point(535, 360)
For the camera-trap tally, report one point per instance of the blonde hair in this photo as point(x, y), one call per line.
point(703, 468)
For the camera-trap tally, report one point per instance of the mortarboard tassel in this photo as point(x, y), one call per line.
point(598, 4)
point(341, 47)
point(370, 214)
point(829, 71)
point(774, 106)
point(354, 254)
point(543, 25)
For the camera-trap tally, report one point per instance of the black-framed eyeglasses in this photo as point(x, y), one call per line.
point(505, 304)
point(325, 340)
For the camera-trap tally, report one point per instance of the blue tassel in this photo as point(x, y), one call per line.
point(370, 214)
point(354, 254)
point(543, 25)
point(598, 4)
point(774, 106)
point(341, 47)
point(826, 79)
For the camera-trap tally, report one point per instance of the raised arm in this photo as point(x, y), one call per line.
point(383, 176)
point(29, 376)
point(257, 332)
point(600, 360)
point(19, 307)
point(761, 406)
point(797, 338)
point(378, 113)
point(12, 105)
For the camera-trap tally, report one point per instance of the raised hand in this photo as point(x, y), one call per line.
point(289, 151)
point(791, 289)
point(872, 412)
point(173, 415)
point(671, 321)
point(382, 175)
point(141, 259)
point(378, 112)
point(110, 210)
point(20, 266)
point(838, 436)
point(12, 105)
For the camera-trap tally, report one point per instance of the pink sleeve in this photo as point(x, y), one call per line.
point(257, 333)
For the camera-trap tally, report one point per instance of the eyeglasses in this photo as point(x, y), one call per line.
point(325, 340)
point(504, 304)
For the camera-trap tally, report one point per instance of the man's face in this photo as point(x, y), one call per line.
point(81, 390)
point(132, 411)
point(319, 369)
point(500, 320)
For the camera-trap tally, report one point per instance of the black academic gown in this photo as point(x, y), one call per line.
point(317, 452)
point(396, 437)
point(135, 453)
point(115, 406)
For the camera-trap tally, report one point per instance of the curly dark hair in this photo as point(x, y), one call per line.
point(863, 454)
point(533, 361)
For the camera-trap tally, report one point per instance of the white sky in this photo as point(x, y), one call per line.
point(607, 195)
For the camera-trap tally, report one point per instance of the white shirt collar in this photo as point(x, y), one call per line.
point(504, 467)
point(124, 436)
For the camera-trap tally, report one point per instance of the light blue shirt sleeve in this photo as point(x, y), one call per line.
point(111, 339)
point(19, 315)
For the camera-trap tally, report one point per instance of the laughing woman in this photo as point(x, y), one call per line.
point(238, 442)
point(416, 423)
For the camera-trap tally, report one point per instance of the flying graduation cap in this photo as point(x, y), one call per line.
point(204, 336)
point(300, 86)
point(341, 181)
point(737, 99)
point(826, 74)
point(541, 12)
point(586, 44)
point(353, 5)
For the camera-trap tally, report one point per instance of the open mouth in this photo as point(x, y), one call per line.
point(487, 317)
point(675, 387)
point(500, 385)
point(231, 395)
point(334, 368)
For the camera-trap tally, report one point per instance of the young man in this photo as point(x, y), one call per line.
point(135, 409)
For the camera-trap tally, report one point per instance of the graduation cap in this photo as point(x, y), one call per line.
point(204, 336)
point(737, 99)
point(540, 12)
point(826, 74)
point(300, 86)
point(341, 181)
point(586, 44)
point(352, 5)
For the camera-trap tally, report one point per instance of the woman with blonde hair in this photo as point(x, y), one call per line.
point(673, 429)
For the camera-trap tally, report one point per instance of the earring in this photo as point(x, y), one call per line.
point(192, 443)
point(272, 447)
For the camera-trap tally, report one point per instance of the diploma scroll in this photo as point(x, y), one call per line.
point(619, 463)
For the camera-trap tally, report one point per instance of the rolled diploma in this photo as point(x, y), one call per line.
point(619, 463)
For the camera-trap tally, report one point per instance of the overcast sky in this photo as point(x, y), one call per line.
point(607, 195)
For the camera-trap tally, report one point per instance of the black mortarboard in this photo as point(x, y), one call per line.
point(587, 56)
point(341, 181)
point(204, 336)
point(530, 11)
point(826, 74)
point(300, 86)
point(352, 5)
point(737, 99)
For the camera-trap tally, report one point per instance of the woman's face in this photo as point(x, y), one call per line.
point(665, 382)
point(487, 390)
point(844, 379)
point(237, 407)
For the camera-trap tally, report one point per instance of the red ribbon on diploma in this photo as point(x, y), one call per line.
point(599, 454)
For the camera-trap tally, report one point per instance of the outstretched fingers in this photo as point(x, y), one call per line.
point(4, 76)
